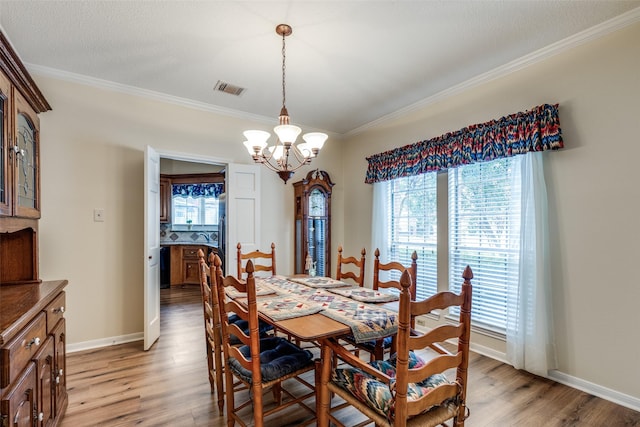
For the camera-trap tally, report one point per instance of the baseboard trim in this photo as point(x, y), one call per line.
point(596, 390)
point(104, 342)
point(570, 381)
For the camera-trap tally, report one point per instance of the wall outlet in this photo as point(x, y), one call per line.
point(98, 215)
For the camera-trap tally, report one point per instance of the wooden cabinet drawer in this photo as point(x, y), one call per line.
point(20, 350)
point(55, 311)
point(190, 252)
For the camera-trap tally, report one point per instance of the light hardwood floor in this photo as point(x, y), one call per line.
point(167, 386)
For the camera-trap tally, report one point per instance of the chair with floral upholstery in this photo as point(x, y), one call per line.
point(406, 390)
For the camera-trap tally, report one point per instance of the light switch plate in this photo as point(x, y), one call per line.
point(98, 215)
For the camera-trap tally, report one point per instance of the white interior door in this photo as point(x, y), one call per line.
point(152, 247)
point(243, 212)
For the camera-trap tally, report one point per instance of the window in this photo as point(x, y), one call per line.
point(483, 207)
point(195, 204)
point(412, 226)
point(484, 232)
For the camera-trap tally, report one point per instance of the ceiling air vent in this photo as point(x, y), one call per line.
point(228, 88)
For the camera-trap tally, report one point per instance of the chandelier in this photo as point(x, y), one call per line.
point(285, 156)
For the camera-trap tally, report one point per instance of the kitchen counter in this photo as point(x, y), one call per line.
point(208, 244)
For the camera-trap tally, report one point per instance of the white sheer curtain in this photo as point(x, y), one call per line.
point(380, 224)
point(530, 340)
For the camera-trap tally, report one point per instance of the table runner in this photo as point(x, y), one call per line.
point(367, 321)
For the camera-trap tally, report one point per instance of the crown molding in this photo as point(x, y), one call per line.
point(593, 33)
point(144, 93)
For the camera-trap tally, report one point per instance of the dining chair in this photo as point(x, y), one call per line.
point(211, 310)
point(377, 348)
point(259, 363)
point(352, 263)
point(210, 326)
point(262, 261)
point(406, 390)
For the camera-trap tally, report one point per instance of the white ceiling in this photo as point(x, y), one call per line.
point(349, 63)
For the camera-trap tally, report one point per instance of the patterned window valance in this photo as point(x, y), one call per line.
point(197, 190)
point(535, 130)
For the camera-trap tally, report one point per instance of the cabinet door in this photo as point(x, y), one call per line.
point(5, 146)
point(190, 272)
point(19, 403)
point(45, 373)
point(165, 200)
point(60, 366)
point(27, 159)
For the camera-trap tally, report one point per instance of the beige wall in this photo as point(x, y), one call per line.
point(93, 157)
point(594, 194)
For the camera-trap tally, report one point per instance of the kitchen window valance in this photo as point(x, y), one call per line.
point(197, 190)
point(535, 130)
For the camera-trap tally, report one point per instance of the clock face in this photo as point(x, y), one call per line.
point(316, 203)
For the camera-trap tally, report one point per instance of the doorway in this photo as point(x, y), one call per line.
point(242, 205)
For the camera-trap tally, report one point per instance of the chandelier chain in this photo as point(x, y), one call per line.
point(284, 55)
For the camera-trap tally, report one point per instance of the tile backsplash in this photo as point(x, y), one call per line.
point(169, 236)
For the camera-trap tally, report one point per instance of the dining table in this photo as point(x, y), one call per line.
point(314, 309)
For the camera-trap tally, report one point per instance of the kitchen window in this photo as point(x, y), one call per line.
point(196, 204)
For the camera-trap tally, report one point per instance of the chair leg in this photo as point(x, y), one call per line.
point(323, 406)
point(230, 399)
point(277, 393)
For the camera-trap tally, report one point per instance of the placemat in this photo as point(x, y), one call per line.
point(282, 285)
point(319, 282)
point(261, 290)
point(365, 295)
point(281, 308)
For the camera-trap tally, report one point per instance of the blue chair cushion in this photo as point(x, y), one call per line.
point(371, 345)
point(263, 328)
point(278, 357)
point(376, 394)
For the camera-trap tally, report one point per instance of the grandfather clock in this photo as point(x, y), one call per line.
point(313, 222)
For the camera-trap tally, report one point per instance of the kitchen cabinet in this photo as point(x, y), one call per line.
point(165, 199)
point(312, 198)
point(184, 263)
point(32, 354)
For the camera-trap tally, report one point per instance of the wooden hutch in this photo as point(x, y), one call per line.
point(32, 325)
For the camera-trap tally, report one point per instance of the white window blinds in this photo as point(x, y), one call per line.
point(412, 213)
point(484, 231)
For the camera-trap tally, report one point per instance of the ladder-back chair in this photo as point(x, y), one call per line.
point(406, 390)
point(258, 363)
point(262, 261)
point(352, 263)
point(211, 326)
point(377, 348)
